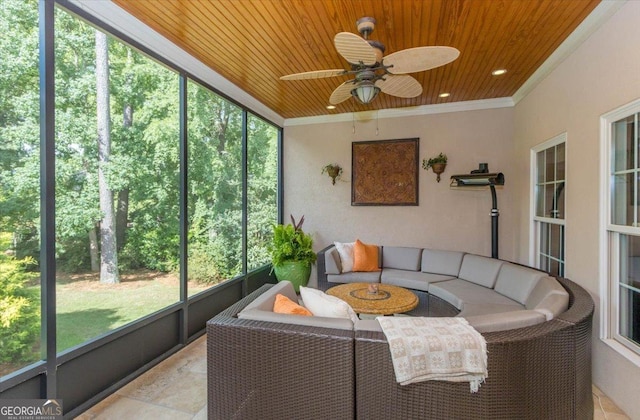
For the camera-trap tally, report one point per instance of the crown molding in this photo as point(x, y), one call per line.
point(404, 112)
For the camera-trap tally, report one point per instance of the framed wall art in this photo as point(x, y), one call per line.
point(384, 172)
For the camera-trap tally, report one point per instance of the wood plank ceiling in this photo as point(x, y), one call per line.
point(254, 42)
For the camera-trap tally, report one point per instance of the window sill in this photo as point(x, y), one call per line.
point(623, 350)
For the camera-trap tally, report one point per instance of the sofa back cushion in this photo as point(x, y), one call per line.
point(548, 297)
point(517, 282)
point(261, 309)
point(266, 300)
point(401, 258)
point(332, 262)
point(441, 262)
point(480, 270)
point(308, 321)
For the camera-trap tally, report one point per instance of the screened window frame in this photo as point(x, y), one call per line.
point(611, 233)
point(93, 15)
point(538, 223)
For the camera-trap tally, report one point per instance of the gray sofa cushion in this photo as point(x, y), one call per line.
point(441, 262)
point(480, 270)
point(367, 325)
point(459, 292)
point(548, 297)
point(261, 309)
point(411, 279)
point(355, 277)
point(266, 300)
point(505, 320)
point(517, 282)
point(332, 262)
point(401, 258)
point(311, 321)
point(477, 309)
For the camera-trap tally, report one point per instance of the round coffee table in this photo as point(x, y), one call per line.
point(389, 299)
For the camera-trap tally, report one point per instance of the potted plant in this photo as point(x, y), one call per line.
point(292, 253)
point(333, 170)
point(437, 164)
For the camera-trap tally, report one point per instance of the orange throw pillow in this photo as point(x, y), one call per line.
point(365, 257)
point(284, 305)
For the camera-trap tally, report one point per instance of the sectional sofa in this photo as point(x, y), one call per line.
point(492, 294)
point(273, 366)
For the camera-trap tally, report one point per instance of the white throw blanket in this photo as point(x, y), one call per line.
point(441, 349)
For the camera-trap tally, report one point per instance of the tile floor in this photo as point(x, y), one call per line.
point(176, 389)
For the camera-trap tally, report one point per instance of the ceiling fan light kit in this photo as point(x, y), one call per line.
point(365, 92)
point(372, 72)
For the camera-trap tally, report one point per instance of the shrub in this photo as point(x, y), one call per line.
point(19, 314)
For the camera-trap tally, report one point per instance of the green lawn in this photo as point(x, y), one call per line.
point(87, 309)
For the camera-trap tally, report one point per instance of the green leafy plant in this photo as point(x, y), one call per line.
point(290, 243)
point(428, 163)
point(19, 313)
point(333, 170)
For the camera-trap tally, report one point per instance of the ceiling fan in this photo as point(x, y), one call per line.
point(372, 73)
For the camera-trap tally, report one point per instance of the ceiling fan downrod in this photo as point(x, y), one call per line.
point(366, 25)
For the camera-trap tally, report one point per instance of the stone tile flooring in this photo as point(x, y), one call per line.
point(176, 389)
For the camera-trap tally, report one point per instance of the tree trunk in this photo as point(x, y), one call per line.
point(122, 217)
point(122, 205)
point(223, 120)
point(93, 250)
point(109, 254)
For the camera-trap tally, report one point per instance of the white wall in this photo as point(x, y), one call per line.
point(445, 218)
point(601, 75)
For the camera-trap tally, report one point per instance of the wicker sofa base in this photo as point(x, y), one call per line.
point(274, 371)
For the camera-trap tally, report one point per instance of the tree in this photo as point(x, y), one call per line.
point(108, 247)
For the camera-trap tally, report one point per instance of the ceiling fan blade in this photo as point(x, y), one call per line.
point(403, 86)
point(354, 49)
point(341, 93)
point(317, 74)
point(419, 59)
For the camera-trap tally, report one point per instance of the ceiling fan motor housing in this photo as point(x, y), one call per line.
point(378, 47)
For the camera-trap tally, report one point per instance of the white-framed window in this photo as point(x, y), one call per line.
point(548, 166)
point(620, 276)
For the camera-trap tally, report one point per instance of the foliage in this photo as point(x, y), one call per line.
point(290, 243)
point(144, 170)
point(441, 158)
point(19, 313)
point(333, 170)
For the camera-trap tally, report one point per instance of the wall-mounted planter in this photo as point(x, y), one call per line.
point(437, 164)
point(333, 170)
point(437, 169)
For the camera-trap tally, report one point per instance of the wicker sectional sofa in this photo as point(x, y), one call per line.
point(274, 369)
point(491, 294)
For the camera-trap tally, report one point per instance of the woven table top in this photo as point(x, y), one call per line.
point(389, 299)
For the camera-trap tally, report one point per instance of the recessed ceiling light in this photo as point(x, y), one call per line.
point(331, 107)
point(499, 72)
point(444, 95)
